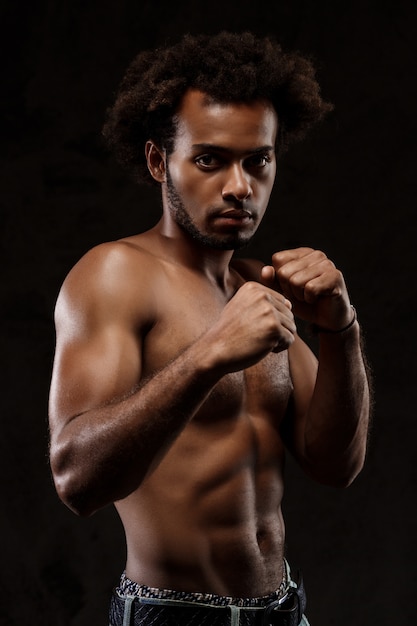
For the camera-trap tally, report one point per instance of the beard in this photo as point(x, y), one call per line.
point(229, 241)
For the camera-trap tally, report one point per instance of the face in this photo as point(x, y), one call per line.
point(221, 172)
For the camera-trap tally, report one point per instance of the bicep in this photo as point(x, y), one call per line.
point(100, 315)
point(93, 370)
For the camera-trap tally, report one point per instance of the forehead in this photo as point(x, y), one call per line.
point(201, 120)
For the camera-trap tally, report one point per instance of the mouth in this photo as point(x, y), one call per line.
point(234, 216)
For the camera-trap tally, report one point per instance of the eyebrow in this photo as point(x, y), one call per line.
point(216, 148)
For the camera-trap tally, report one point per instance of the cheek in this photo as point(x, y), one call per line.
point(192, 186)
point(182, 176)
point(263, 190)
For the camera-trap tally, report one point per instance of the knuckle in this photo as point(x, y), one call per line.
point(267, 311)
point(283, 273)
point(297, 280)
point(250, 286)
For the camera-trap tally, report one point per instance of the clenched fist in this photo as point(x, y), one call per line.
point(314, 286)
point(256, 321)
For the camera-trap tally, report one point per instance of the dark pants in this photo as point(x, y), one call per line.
point(132, 610)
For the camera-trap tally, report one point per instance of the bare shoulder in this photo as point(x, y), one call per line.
point(110, 259)
point(110, 279)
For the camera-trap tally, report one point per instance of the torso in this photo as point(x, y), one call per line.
point(208, 517)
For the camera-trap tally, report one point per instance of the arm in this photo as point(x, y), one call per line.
point(329, 427)
point(109, 426)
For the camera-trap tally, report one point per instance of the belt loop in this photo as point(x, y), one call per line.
point(127, 613)
point(287, 571)
point(235, 613)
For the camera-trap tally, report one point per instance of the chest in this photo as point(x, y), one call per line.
point(185, 313)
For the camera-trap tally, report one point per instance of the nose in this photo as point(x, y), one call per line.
point(237, 186)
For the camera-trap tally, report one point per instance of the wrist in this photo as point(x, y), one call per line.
point(316, 329)
point(206, 358)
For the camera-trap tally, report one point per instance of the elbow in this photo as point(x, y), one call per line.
point(69, 485)
point(349, 478)
point(337, 481)
point(337, 468)
point(352, 467)
point(337, 475)
point(338, 471)
point(72, 496)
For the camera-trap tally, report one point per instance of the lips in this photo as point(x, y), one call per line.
point(235, 214)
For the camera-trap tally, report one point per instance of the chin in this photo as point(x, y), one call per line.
point(229, 243)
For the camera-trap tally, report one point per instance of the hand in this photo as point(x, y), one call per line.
point(315, 287)
point(256, 321)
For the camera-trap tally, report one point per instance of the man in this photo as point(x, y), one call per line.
point(179, 378)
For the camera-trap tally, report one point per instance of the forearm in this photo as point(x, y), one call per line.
point(103, 454)
point(337, 422)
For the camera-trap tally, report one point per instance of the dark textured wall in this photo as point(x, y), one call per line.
point(349, 189)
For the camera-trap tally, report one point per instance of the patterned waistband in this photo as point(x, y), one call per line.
point(130, 587)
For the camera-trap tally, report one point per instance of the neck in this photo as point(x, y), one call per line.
point(181, 248)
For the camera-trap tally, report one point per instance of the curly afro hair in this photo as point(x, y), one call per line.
point(229, 67)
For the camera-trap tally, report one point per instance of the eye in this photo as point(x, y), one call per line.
point(208, 161)
point(258, 160)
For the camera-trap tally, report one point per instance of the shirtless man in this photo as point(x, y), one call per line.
point(179, 378)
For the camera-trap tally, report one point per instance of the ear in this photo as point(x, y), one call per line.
point(155, 159)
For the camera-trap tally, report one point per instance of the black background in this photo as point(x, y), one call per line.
point(348, 189)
